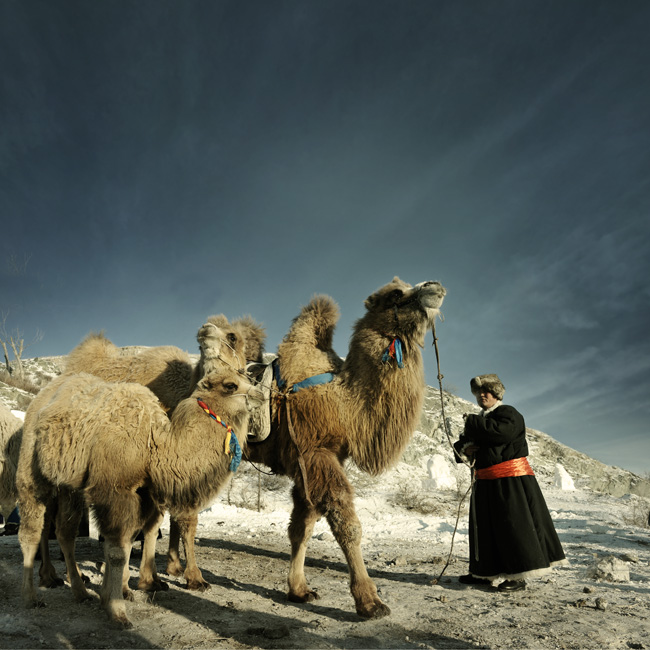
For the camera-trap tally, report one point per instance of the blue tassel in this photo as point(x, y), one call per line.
point(394, 351)
point(235, 450)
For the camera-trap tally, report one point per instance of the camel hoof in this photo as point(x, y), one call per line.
point(307, 597)
point(35, 604)
point(153, 585)
point(197, 585)
point(82, 596)
point(174, 569)
point(378, 610)
point(51, 582)
point(127, 594)
point(122, 622)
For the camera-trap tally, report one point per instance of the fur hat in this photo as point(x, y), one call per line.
point(490, 383)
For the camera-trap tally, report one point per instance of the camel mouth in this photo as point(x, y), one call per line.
point(430, 295)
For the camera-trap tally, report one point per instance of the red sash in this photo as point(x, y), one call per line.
point(514, 467)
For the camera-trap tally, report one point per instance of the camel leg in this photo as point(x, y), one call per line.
point(301, 526)
point(174, 566)
point(32, 517)
point(67, 526)
point(187, 523)
point(149, 579)
point(47, 573)
point(113, 591)
point(333, 494)
point(346, 528)
point(119, 518)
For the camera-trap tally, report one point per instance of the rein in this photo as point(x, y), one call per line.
point(435, 581)
point(283, 395)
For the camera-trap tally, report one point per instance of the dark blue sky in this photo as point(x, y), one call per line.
point(164, 161)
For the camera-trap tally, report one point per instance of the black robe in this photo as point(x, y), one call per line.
point(511, 533)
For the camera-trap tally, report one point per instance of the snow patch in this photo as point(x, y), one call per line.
point(440, 474)
point(562, 478)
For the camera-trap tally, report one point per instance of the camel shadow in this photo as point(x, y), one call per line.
point(280, 596)
point(255, 629)
point(249, 627)
point(314, 562)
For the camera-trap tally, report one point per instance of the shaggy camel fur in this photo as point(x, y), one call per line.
point(170, 374)
point(11, 431)
point(112, 444)
point(367, 413)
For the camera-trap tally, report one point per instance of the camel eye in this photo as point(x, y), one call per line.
point(396, 294)
point(232, 338)
point(230, 387)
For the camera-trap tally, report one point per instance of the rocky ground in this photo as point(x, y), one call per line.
point(408, 521)
point(247, 607)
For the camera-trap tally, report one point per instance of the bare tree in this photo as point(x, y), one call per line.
point(15, 341)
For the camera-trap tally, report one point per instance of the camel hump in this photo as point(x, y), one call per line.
point(316, 323)
point(307, 350)
point(93, 349)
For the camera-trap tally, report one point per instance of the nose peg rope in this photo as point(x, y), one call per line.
point(436, 581)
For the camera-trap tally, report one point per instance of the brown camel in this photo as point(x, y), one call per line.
point(169, 372)
point(368, 413)
point(112, 445)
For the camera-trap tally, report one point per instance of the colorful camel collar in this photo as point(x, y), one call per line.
point(232, 447)
point(394, 351)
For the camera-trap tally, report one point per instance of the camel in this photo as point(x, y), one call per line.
point(11, 431)
point(114, 446)
point(367, 412)
point(169, 372)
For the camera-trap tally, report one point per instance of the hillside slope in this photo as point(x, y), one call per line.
point(430, 440)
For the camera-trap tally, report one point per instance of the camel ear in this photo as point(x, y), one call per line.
point(370, 301)
point(219, 320)
point(206, 383)
point(254, 336)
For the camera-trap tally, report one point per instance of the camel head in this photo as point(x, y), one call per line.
point(221, 345)
point(401, 309)
point(230, 394)
point(233, 344)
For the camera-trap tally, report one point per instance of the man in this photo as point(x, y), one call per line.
point(511, 533)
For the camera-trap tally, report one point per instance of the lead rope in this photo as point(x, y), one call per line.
point(301, 461)
point(435, 581)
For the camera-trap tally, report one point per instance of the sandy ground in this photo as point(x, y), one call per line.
point(247, 607)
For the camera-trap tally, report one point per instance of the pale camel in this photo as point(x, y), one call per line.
point(112, 445)
point(11, 432)
point(170, 373)
point(368, 413)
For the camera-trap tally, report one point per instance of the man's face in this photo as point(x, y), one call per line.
point(485, 399)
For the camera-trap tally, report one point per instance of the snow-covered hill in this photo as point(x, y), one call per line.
point(429, 454)
point(408, 515)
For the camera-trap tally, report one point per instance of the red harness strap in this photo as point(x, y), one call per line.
point(514, 467)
